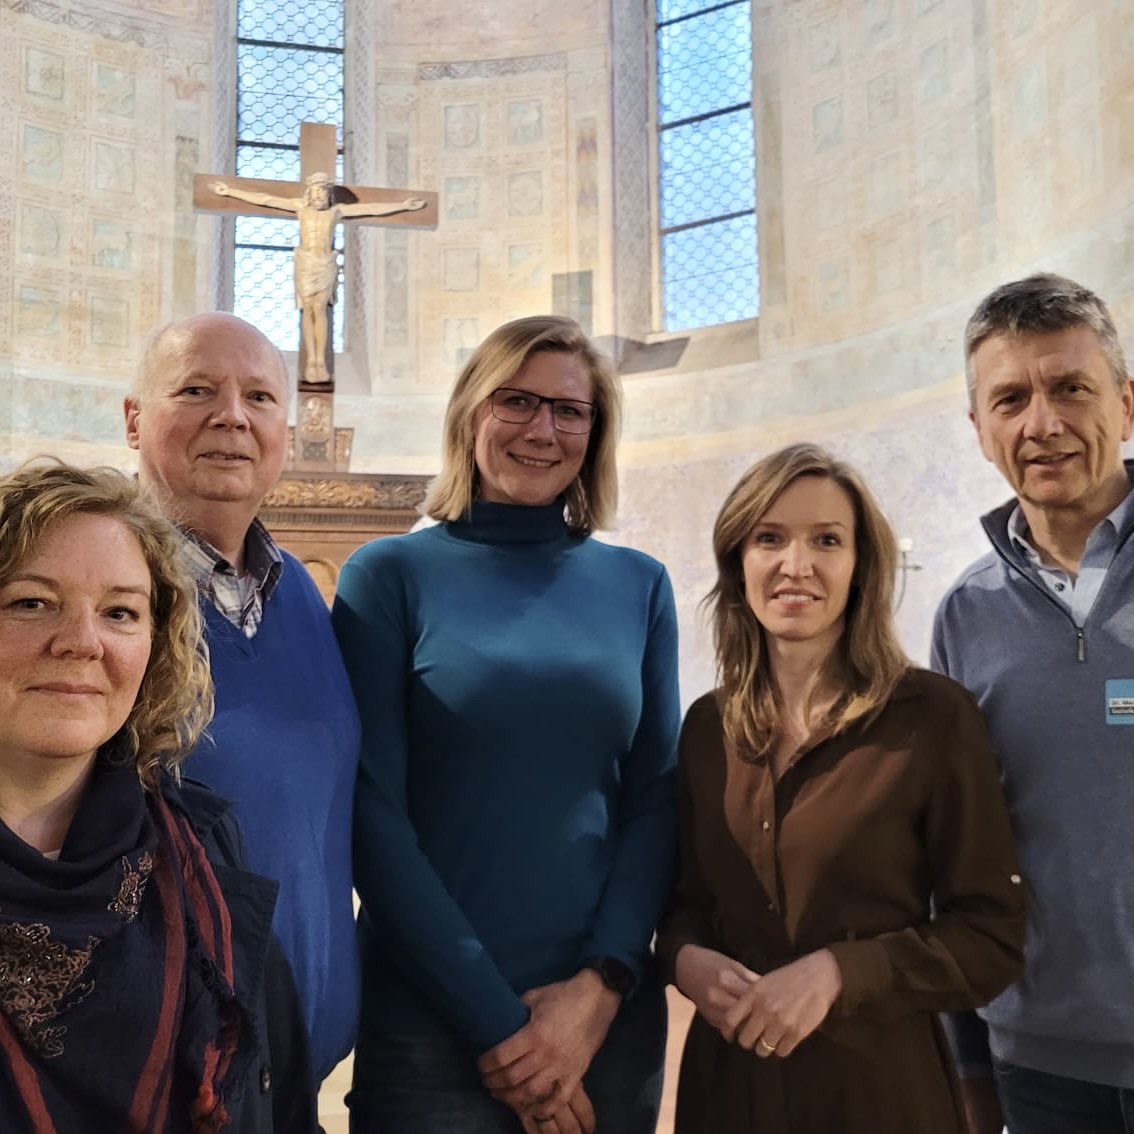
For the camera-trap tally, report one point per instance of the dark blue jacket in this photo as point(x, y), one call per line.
point(278, 1095)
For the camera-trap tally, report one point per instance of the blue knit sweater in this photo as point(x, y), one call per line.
point(515, 808)
point(1048, 689)
point(283, 747)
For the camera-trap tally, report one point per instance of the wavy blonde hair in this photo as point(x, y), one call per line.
point(175, 700)
point(869, 660)
point(592, 498)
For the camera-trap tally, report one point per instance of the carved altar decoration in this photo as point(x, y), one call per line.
point(321, 519)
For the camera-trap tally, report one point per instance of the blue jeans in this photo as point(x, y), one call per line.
point(430, 1085)
point(1036, 1102)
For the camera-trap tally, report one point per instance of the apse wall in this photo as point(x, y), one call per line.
point(911, 156)
point(108, 112)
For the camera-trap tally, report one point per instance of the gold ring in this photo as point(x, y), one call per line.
point(768, 1047)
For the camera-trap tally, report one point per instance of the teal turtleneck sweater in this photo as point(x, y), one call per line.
point(514, 812)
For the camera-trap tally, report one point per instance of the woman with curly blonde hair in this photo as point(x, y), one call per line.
point(139, 988)
point(846, 864)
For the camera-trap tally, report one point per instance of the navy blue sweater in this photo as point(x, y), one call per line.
point(283, 747)
point(515, 808)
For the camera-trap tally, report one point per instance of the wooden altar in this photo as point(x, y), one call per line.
point(322, 518)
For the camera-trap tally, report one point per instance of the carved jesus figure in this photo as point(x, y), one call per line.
point(316, 263)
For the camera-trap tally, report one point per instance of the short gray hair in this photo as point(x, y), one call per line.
point(158, 339)
point(1038, 304)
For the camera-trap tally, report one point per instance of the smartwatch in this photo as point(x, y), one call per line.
point(614, 974)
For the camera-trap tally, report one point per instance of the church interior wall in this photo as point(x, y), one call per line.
point(911, 155)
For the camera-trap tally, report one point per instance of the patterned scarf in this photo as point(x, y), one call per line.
point(117, 1009)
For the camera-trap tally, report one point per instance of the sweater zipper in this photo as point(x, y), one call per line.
point(1080, 631)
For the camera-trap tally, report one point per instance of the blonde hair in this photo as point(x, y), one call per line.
point(175, 700)
point(870, 658)
point(592, 498)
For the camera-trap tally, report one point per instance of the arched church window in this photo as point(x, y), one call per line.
point(289, 70)
point(706, 163)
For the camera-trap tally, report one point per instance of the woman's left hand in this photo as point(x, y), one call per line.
point(575, 1116)
point(547, 1058)
point(781, 1009)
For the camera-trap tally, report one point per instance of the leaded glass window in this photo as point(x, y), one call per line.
point(706, 163)
point(289, 69)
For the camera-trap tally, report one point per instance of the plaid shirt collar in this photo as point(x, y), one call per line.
point(238, 598)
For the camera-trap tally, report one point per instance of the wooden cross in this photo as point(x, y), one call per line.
point(318, 204)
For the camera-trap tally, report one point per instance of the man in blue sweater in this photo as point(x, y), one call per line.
point(1042, 631)
point(208, 416)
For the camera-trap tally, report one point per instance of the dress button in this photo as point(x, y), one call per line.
point(766, 826)
point(1015, 879)
point(771, 907)
point(265, 1080)
point(1060, 586)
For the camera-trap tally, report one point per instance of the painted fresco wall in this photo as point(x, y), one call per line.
point(912, 154)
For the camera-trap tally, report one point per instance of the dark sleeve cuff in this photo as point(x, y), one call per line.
point(968, 1037)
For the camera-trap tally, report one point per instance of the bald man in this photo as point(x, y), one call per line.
point(208, 416)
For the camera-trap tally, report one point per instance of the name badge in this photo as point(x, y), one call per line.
point(1120, 701)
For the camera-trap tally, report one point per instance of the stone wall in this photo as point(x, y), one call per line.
point(912, 154)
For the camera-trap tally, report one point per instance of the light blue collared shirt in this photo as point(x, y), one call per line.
point(1076, 594)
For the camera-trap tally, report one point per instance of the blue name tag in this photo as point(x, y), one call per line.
point(1120, 701)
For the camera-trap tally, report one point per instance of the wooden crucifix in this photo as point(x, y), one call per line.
point(318, 204)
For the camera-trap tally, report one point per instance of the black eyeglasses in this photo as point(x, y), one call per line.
point(518, 407)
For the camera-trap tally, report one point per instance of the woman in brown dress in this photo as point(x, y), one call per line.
point(847, 869)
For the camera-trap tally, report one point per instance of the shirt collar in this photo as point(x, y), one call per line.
point(1021, 535)
point(263, 562)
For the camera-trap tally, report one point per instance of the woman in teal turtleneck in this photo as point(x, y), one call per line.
point(514, 820)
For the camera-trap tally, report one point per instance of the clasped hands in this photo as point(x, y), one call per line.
point(771, 1013)
point(538, 1071)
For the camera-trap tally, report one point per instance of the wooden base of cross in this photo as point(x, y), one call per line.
point(314, 444)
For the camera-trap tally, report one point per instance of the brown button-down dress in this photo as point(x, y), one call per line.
point(889, 844)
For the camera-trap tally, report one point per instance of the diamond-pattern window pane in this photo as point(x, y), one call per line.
point(675, 9)
point(710, 274)
point(283, 233)
point(705, 64)
point(297, 78)
point(267, 231)
point(706, 165)
point(268, 299)
point(275, 165)
point(707, 168)
point(280, 87)
point(291, 21)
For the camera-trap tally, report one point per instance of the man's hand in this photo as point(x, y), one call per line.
point(544, 1062)
point(713, 981)
point(982, 1106)
point(781, 1009)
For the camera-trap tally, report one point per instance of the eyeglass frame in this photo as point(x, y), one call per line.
point(540, 402)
